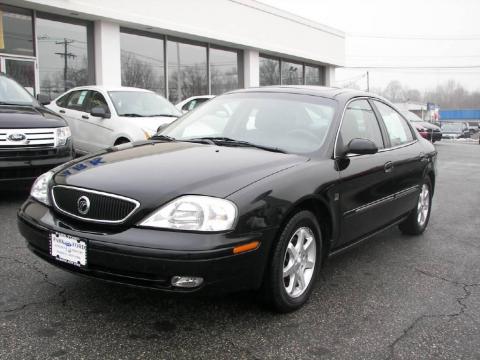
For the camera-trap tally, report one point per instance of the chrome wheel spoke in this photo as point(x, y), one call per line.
point(299, 262)
point(423, 206)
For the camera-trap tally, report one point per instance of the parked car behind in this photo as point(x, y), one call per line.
point(253, 199)
point(427, 130)
point(192, 102)
point(455, 131)
point(33, 139)
point(100, 116)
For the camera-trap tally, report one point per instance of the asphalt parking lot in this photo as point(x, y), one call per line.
point(394, 297)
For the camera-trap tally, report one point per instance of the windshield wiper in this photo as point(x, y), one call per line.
point(132, 115)
point(162, 137)
point(166, 115)
point(226, 141)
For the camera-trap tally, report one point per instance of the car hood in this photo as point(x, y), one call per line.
point(426, 125)
point(154, 173)
point(25, 117)
point(149, 124)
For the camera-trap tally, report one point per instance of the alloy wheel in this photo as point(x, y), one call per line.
point(423, 206)
point(299, 262)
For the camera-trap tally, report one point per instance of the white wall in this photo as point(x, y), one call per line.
point(107, 53)
point(238, 23)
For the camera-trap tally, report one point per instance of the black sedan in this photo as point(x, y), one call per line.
point(253, 190)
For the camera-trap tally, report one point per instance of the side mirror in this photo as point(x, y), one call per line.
point(99, 111)
point(361, 147)
point(43, 99)
point(161, 128)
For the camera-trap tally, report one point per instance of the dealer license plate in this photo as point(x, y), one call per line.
point(69, 249)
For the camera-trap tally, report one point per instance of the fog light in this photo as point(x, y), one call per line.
point(187, 281)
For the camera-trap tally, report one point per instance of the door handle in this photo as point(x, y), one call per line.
point(388, 167)
point(85, 117)
point(61, 111)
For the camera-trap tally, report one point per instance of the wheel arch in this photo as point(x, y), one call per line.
point(324, 215)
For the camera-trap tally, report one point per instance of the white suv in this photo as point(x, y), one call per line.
point(101, 116)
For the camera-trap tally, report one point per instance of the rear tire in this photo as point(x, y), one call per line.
point(294, 264)
point(417, 221)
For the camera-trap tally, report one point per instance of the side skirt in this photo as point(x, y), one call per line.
point(361, 240)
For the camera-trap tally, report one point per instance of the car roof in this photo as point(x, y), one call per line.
point(109, 88)
point(324, 91)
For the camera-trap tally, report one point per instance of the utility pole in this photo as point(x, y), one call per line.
point(368, 81)
point(66, 55)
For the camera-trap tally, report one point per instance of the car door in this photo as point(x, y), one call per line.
point(99, 129)
point(407, 156)
point(74, 113)
point(365, 189)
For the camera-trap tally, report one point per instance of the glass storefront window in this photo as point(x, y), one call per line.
point(313, 75)
point(269, 71)
point(62, 56)
point(142, 62)
point(16, 31)
point(223, 71)
point(187, 70)
point(292, 73)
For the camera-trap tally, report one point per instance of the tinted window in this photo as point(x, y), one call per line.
point(313, 75)
point(292, 73)
point(359, 121)
point(62, 102)
point(223, 70)
point(192, 104)
point(187, 70)
point(269, 71)
point(398, 130)
point(77, 100)
point(63, 56)
point(97, 100)
point(142, 62)
point(17, 31)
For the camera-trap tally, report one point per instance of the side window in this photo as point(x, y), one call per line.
point(398, 130)
point(189, 105)
point(62, 102)
point(359, 121)
point(77, 100)
point(96, 100)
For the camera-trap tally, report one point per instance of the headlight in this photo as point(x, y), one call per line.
point(40, 188)
point(147, 134)
point(194, 213)
point(63, 134)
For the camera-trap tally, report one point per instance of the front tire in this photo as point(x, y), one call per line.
point(294, 264)
point(417, 221)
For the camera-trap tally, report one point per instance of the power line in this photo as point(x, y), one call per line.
point(66, 55)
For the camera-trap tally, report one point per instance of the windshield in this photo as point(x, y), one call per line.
point(288, 122)
point(141, 104)
point(452, 127)
point(11, 93)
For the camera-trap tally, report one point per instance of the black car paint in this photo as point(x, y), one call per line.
point(29, 160)
point(353, 196)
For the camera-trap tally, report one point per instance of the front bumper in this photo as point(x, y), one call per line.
point(28, 164)
point(123, 256)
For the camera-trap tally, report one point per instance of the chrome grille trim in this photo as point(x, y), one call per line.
point(98, 221)
point(41, 137)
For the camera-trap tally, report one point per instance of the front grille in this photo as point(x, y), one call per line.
point(104, 208)
point(32, 138)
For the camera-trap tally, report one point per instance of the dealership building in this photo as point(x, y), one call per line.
point(177, 48)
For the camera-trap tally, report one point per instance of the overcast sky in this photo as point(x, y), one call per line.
point(402, 33)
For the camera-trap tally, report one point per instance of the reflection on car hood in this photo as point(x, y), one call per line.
point(25, 117)
point(150, 124)
point(154, 173)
